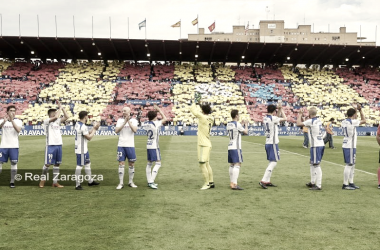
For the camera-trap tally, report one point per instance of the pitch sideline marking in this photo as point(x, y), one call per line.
point(333, 163)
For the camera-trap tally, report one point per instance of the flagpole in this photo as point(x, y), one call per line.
point(38, 27)
point(145, 28)
point(92, 27)
point(128, 27)
point(19, 25)
point(56, 32)
point(110, 28)
point(74, 25)
point(376, 36)
point(180, 27)
point(197, 25)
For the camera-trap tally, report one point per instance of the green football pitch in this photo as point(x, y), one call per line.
point(181, 216)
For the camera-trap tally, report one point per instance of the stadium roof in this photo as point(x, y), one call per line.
point(184, 50)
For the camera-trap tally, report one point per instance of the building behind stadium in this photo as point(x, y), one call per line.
point(274, 31)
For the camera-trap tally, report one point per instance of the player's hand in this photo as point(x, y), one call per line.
point(156, 107)
point(59, 105)
point(279, 104)
point(359, 107)
point(96, 125)
point(10, 116)
point(127, 117)
point(6, 118)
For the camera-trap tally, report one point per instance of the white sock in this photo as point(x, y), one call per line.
point(13, 172)
point(1, 167)
point(312, 174)
point(318, 174)
point(268, 171)
point(352, 173)
point(149, 172)
point(155, 170)
point(78, 172)
point(346, 174)
point(55, 174)
point(45, 170)
point(87, 170)
point(231, 169)
point(131, 172)
point(121, 174)
point(235, 174)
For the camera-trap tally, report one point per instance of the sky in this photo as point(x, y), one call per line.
point(323, 15)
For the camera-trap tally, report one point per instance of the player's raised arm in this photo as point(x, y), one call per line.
point(5, 119)
point(11, 119)
point(245, 124)
point(164, 119)
point(362, 116)
point(282, 113)
point(65, 115)
point(57, 113)
point(92, 132)
point(299, 118)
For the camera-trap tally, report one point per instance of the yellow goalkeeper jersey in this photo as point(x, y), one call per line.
point(205, 123)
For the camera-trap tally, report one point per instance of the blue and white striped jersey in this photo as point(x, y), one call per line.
point(349, 131)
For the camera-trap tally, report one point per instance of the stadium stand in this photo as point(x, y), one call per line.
point(365, 81)
point(4, 64)
point(184, 72)
point(325, 90)
point(141, 82)
point(82, 86)
point(244, 73)
point(163, 72)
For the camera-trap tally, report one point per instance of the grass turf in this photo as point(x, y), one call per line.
point(180, 216)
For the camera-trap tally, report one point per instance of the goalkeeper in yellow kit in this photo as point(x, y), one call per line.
point(205, 122)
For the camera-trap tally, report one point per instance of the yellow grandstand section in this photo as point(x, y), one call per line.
point(325, 90)
point(4, 65)
point(83, 86)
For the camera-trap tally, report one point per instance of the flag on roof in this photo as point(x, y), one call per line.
point(211, 27)
point(142, 24)
point(195, 21)
point(177, 24)
point(246, 29)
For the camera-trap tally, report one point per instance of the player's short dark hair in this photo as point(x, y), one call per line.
point(11, 106)
point(332, 119)
point(206, 108)
point(351, 112)
point(82, 114)
point(152, 115)
point(50, 111)
point(271, 108)
point(234, 113)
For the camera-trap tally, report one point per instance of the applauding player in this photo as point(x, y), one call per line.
point(152, 128)
point(271, 123)
point(317, 146)
point(349, 145)
point(127, 128)
point(235, 157)
point(53, 152)
point(10, 128)
point(205, 122)
point(82, 136)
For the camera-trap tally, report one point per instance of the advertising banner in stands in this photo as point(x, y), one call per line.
point(143, 102)
point(192, 130)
